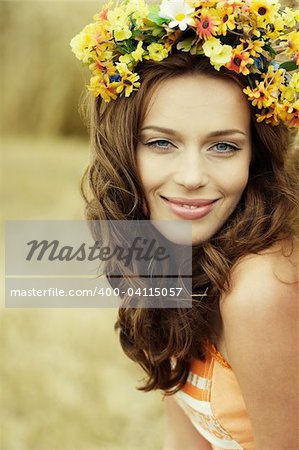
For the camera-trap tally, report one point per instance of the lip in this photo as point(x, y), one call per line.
point(203, 207)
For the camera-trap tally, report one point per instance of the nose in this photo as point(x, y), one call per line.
point(191, 171)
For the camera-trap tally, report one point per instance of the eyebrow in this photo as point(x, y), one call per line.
point(212, 134)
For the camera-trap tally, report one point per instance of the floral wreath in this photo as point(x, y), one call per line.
point(256, 38)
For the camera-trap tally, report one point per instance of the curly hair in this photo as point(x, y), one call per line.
point(164, 341)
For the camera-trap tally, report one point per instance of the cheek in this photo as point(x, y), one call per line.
point(234, 183)
point(147, 180)
point(150, 173)
point(237, 176)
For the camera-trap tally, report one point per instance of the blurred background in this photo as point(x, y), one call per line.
point(65, 383)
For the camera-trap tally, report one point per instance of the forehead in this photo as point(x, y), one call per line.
point(201, 102)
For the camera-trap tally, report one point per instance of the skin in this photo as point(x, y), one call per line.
point(259, 346)
point(259, 341)
point(191, 161)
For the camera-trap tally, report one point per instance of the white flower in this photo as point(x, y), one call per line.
point(179, 12)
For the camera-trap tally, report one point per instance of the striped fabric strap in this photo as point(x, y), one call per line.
point(212, 351)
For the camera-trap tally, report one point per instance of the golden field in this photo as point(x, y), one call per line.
point(65, 383)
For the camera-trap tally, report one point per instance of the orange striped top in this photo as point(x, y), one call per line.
point(212, 399)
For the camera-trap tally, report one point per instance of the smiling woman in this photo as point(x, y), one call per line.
point(183, 141)
point(199, 168)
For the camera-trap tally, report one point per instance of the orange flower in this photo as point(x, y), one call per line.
point(290, 114)
point(102, 68)
point(254, 48)
point(239, 62)
point(270, 116)
point(207, 25)
point(171, 39)
point(259, 96)
point(102, 15)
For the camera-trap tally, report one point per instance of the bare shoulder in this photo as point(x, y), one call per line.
point(264, 287)
point(280, 261)
point(180, 433)
point(269, 276)
point(259, 316)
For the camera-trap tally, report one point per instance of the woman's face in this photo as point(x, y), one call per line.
point(194, 152)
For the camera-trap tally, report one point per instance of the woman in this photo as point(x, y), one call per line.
point(179, 140)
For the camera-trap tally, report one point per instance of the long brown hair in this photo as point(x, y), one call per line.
point(163, 341)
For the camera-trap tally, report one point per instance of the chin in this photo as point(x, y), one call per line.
point(200, 236)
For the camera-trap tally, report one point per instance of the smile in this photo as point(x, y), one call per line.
point(189, 209)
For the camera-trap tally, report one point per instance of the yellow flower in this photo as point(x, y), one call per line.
point(294, 82)
point(125, 34)
point(123, 69)
point(139, 11)
point(288, 93)
point(138, 53)
point(274, 28)
point(127, 59)
point(263, 11)
point(248, 29)
point(254, 48)
point(290, 113)
point(83, 43)
point(118, 24)
point(259, 96)
point(274, 78)
point(122, 34)
point(128, 82)
point(211, 46)
point(156, 52)
point(292, 42)
point(226, 19)
point(290, 17)
point(130, 59)
point(104, 52)
point(100, 86)
point(102, 67)
point(271, 116)
point(118, 18)
point(219, 54)
point(221, 58)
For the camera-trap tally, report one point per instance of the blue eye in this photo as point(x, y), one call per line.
point(224, 147)
point(160, 144)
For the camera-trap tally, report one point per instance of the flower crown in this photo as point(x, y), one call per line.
point(256, 38)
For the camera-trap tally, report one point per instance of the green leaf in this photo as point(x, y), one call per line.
point(153, 15)
point(269, 49)
point(137, 34)
point(186, 44)
point(288, 66)
point(130, 47)
point(250, 81)
point(157, 32)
